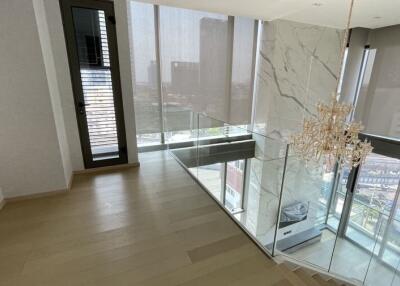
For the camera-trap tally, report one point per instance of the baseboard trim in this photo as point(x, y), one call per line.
point(35, 196)
point(71, 179)
point(38, 195)
point(63, 191)
point(107, 168)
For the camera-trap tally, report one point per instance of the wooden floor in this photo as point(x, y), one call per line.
point(151, 225)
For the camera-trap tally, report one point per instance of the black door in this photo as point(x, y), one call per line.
point(90, 34)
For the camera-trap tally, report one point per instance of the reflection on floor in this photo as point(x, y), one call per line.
point(348, 259)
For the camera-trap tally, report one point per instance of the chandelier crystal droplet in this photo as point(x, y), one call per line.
point(330, 137)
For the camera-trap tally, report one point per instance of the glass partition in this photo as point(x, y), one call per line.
point(367, 241)
point(297, 209)
point(337, 198)
point(354, 262)
point(212, 170)
point(241, 170)
point(382, 268)
point(396, 276)
point(306, 194)
point(180, 125)
point(264, 177)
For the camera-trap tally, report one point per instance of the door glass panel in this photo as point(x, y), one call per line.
point(337, 200)
point(98, 97)
point(374, 196)
point(370, 248)
point(391, 251)
point(382, 269)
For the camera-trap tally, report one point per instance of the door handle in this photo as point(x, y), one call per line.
point(81, 106)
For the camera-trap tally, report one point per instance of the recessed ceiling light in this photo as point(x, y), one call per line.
point(317, 4)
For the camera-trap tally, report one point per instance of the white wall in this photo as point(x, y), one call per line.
point(51, 74)
point(121, 16)
point(40, 146)
point(30, 156)
point(1, 198)
point(382, 93)
point(62, 75)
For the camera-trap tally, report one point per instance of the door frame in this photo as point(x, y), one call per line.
point(74, 67)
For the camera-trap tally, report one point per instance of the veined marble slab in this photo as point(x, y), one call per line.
point(299, 66)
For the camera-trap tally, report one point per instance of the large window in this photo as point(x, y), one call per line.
point(187, 61)
point(242, 71)
point(374, 199)
point(372, 216)
point(193, 48)
point(144, 73)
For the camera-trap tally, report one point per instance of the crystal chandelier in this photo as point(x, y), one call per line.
point(330, 137)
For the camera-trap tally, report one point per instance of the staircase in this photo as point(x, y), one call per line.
point(304, 276)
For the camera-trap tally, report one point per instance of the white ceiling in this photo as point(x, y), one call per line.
point(375, 13)
point(331, 13)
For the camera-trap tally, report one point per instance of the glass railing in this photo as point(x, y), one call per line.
point(241, 170)
point(384, 260)
point(284, 205)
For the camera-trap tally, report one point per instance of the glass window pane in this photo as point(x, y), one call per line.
point(373, 200)
point(144, 74)
point(234, 184)
point(377, 182)
point(391, 253)
point(194, 65)
point(242, 65)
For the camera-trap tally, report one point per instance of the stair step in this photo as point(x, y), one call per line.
point(333, 282)
point(310, 272)
point(303, 275)
point(292, 266)
point(324, 282)
point(290, 275)
point(308, 275)
point(284, 282)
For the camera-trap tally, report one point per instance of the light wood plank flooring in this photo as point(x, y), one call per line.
point(151, 225)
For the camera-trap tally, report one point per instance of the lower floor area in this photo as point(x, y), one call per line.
point(348, 259)
point(305, 217)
